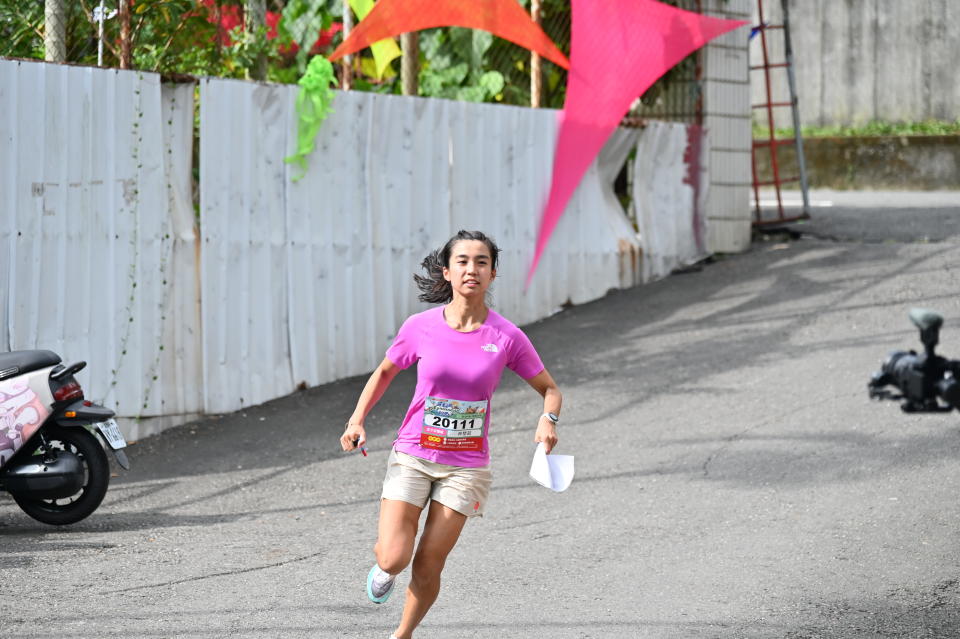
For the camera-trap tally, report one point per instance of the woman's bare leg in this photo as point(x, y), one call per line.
point(440, 534)
point(396, 534)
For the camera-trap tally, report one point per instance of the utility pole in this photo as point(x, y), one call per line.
point(55, 31)
point(256, 22)
point(409, 63)
point(100, 18)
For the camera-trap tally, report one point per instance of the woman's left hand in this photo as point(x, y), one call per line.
point(546, 433)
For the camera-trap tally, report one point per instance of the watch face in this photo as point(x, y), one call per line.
point(553, 417)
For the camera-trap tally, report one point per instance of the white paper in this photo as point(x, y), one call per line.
point(553, 471)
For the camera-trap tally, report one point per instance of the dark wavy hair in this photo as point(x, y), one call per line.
point(433, 288)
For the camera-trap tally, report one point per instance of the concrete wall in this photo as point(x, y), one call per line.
point(726, 109)
point(863, 60)
point(883, 162)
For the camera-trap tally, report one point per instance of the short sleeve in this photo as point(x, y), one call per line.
point(523, 360)
point(403, 351)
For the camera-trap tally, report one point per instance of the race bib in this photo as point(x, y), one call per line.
point(451, 424)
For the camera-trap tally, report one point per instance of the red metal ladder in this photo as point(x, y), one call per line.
point(773, 143)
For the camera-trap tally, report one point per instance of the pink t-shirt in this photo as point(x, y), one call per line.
point(449, 418)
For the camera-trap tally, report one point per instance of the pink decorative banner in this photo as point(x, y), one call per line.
point(619, 48)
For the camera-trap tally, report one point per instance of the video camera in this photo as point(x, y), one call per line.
point(922, 379)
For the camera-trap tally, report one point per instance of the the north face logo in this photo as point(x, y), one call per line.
point(490, 348)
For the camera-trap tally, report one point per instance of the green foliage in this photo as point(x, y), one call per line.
point(19, 32)
point(22, 23)
point(166, 35)
point(301, 22)
point(240, 57)
point(874, 128)
point(178, 36)
point(453, 63)
point(513, 61)
point(169, 36)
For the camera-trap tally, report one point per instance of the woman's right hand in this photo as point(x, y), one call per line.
point(353, 436)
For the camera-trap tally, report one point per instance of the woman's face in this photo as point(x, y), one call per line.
point(470, 270)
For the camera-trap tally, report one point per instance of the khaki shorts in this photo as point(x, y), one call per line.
point(416, 480)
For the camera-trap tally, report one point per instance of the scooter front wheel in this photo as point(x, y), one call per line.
point(69, 510)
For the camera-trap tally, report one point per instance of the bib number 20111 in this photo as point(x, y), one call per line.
point(451, 424)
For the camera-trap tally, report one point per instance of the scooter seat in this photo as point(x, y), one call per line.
point(20, 362)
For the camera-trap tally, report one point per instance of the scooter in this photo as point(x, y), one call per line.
point(51, 460)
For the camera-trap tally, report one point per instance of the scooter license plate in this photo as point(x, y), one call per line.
point(112, 432)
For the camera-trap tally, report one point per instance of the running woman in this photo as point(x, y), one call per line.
point(442, 455)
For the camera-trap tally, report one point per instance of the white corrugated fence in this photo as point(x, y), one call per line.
point(278, 282)
point(97, 232)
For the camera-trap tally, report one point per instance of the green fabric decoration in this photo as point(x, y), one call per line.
point(313, 106)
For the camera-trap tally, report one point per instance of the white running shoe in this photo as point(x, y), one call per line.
point(379, 584)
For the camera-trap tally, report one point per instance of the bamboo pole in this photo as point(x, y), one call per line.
point(256, 20)
point(536, 73)
point(410, 63)
point(126, 50)
point(346, 66)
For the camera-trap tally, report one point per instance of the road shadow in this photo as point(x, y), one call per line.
point(737, 313)
point(931, 611)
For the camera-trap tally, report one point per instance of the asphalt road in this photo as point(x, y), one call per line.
point(733, 479)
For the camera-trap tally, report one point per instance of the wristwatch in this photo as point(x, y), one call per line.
point(553, 418)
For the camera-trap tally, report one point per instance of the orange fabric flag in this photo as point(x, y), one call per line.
point(503, 18)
